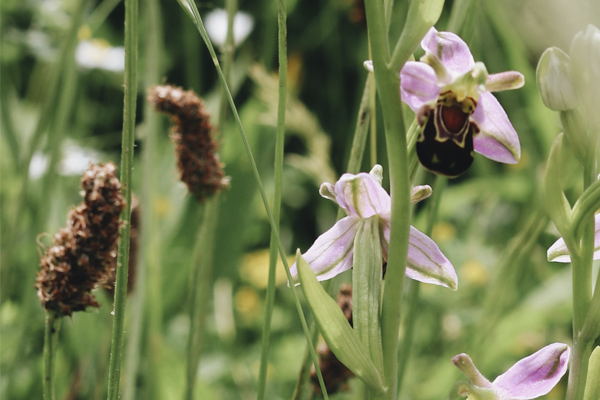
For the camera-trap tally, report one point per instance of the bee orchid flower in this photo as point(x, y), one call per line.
point(451, 96)
point(530, 378)
point(361, 196)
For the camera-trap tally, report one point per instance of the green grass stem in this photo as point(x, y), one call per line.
point(191, 8)
point(50, 347)
point(127, 148)
point(278, 184)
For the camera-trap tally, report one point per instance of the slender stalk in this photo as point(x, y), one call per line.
point(146, 321)
point(50, 346)
point(388, 81)
point(129, 112)
point(199, 294)
point(191, 8)
point(278, 183)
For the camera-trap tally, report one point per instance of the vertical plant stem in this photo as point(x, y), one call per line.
point(278, 183)
point(191, 8)
point(200, 289)
point(145, 325)
point(50, 346)
point(387, 82)
point(127, 146)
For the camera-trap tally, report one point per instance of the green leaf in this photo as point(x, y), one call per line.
point(340, 337)
point(592, 385)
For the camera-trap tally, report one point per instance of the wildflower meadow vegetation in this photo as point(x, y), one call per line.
point(300, 200)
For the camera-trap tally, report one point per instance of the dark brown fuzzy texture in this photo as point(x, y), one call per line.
point(335, 374)
point(199, 165)
point(84, 252)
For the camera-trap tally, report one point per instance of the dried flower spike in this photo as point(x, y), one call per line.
point(198, 161)
point(84, 252)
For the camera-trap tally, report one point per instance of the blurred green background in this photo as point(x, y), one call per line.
point(61, 107)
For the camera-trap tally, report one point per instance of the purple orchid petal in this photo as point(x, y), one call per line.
point(361, 195)
point(450, 49)
point(558, 252)
point(497, 139)
point(426, 263)
point(418, 84)
point(534, 376)
point(332, 252)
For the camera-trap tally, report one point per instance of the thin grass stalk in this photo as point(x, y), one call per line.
point(50, 346)
point(191, 8)
point(129, 113)
point(203, 258)
point(147, 300)
point(278, 183)
point(204, 248)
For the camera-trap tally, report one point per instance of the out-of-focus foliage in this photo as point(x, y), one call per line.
point(491, 224)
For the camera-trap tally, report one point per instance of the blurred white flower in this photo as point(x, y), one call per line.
point(76, 159)
point(38, 165)
point(216, 26)
point(98, 53)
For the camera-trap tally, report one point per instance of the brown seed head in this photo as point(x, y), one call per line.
point(83, 252)
point(198, 161)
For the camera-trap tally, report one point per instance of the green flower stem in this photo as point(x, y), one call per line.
point(203, 256)
point(387, 82)
point(414, 286)
point(278, 183)
point(192, 10)
point(129, 112)
point(50, 346)
point(147, 314)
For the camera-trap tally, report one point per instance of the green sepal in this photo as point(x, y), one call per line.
point(336, 330)
point(592, 385)
point(553, 75)
point(557, 205)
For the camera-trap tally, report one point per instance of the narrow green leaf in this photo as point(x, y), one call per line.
point(592, 386)
point(340, 337)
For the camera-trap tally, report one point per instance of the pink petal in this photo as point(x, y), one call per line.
point(426, 263)
point(497, 139)
point(558, 252)
point(450, 49)
point(418, 84)
point(332, 252)
point(534, 376)
point(361, 195)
